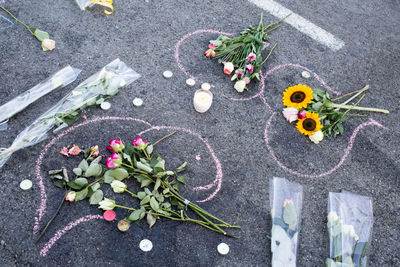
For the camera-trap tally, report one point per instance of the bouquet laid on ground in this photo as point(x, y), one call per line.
point(350, 219)
point(243, 53)
point(318, 115)
point(93, 91)
point(158, 194)
point(47, 43)
point(286, 200)
point(59, 79)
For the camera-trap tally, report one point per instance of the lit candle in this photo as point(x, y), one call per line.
point(202, 100)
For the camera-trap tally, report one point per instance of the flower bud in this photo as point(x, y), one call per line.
point(118, 186)
point(94, 151)
point(290, 114)
point(139, 143)
point(250, 68)
point(302, 114)
point(48, 44)
point(107, 204)
point(116, 145)
point(113, 161)
point(70, 196)
point(251, 57)
point(228, 68)
point(240, 85)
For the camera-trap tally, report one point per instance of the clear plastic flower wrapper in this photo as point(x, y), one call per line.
point(59, 79)
point(350, 220)
point(93, 91)
point(83, 4)
point(286, 199)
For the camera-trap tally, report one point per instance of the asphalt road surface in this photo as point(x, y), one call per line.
point(144, 34)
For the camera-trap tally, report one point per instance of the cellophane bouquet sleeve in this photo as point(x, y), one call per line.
point(286, 199)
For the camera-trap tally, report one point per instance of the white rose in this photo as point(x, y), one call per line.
point(70, 196)
point(240, 85)
point(332, 216)
point(290, 114)
point(118, 186)
point(317, 137)
point(107, 204)
point(48, 44)
point(228, 68)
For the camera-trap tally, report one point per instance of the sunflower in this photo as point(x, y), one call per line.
point(310, 124)
point(297, 96)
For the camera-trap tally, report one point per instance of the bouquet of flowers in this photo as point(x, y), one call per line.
point(158, 194)
point(93, 91)
point(318, 115)
point(350, 219)
point(286, 200)
point(243, 53)
point(59, 79)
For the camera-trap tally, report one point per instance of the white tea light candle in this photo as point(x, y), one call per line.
point(202, 100)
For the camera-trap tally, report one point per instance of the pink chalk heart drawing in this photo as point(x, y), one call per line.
point(216, 184)
point(261, 95)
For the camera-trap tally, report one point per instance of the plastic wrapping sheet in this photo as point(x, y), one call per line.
point(350, 220)
point(106, 3)
point(93, 91)
point(59, 79)
point(286, 199)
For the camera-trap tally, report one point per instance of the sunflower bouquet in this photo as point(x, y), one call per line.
point(242, 54)
point(318, 115)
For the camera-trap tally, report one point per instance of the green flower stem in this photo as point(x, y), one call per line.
point(210, 222)
point(123, 207)
point(126, 165)
point(350, 107)
point(163, 138)
point(134, 195)
point(356, 92)
point(274, 28)
point(95, 181)
point(270, 52)
point(9, 13)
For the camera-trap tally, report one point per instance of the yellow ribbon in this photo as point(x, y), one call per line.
point(105, 3)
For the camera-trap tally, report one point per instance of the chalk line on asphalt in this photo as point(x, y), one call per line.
point(301, 24)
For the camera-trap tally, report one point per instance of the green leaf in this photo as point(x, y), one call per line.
point(154, 204)
point(145, 182)
point(145, 200)
point(166, 191)
point(158, 183)
point(129, 149)
point(40, 35)
point(60, 183)
point(144, 167)
point(181, 179)
point(94, 170)
point(78, 183)
point(77, 171)
point(149, 149)
point(96, 197)
point(135, 215)
point(316, 106)
point(95, 186)
point(97, 160)
point(119, 174)
point(176, 187)
point(160, 198)
point(127, 157)
point(83, 165)
point(160, 166)
point(174, 201)
point(182, 167)
point(340, 128)
point(141, 195)
point(147, 191)
point(166, 205)
point(108, 179)
point(150, 220)
point(81, 195)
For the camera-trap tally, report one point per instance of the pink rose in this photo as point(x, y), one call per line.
point(246, 79)
point(239, 73)
point(250, 68)
point(139, 143)
point(113, 161)
point(251, 57)
point(290, 114)
point(75, 150)
point(116, 145)
point(64, 151)
point(94, 150)
point(228, 68)
point(302, 114)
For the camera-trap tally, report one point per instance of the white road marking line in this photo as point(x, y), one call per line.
point(300, 23)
